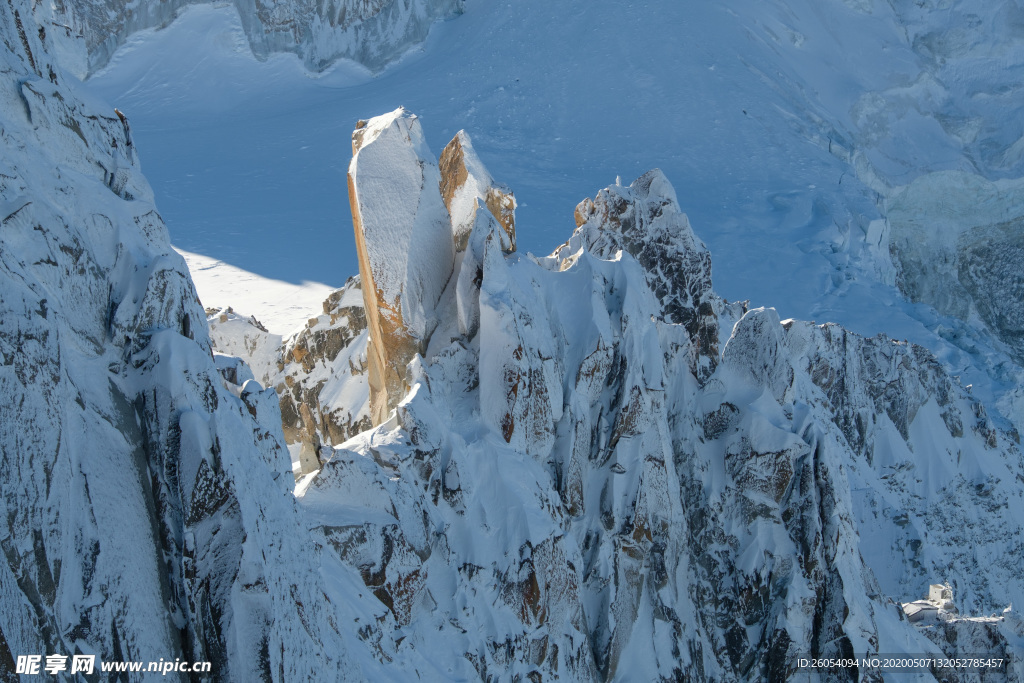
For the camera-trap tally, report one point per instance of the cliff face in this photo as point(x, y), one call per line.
point(371, 32)
point(147, 500)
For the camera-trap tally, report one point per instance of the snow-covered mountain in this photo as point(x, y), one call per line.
point(599, 469)
point(640, 487)
point(147, 502)
point(585, 466)
point(806, 137)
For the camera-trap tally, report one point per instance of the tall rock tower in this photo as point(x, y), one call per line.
point(407, 247)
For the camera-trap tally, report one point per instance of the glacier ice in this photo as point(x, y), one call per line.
point(958, 242)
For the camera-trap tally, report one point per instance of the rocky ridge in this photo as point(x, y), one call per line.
point(370, 32)
point(619, 488)
point(319, 373)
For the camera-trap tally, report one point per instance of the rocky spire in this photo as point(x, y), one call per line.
point(404, 242)
point(644, 219)
point(411, 218)
point(466, 185)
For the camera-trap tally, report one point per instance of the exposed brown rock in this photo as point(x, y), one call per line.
point(328, 350)
point(584, 210)
point(404, 245)
point(459, 165)
point(305, 359)
point(453, 170)
point(378, 377)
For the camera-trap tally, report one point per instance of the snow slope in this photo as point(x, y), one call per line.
point(283, 306)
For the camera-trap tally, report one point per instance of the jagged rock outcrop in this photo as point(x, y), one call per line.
point(466, 186)
point(620, 490)
point(412, 221)
point(644, 220)
point(371, 32)
point(319, 373)
point(331, 346)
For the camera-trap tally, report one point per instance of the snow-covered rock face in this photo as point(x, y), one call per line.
point(147, 508)
point(330, 347)
point(404, 242)
point(466, 186)
point(588, 480)
point(645, 221)
point(319, 373)
point(371, 32)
